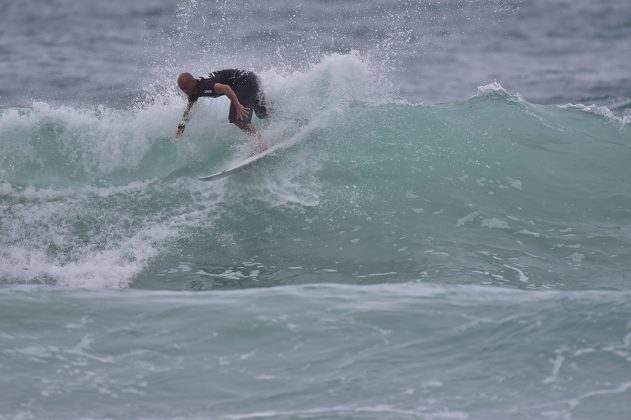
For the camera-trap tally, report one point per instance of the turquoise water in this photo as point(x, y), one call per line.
point(493, 190)
point(461, 260)
point(419, 249)
point(387, 351)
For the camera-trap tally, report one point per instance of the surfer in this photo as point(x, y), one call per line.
point(241, 87)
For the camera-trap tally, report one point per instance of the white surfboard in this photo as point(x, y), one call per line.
point(243, 163)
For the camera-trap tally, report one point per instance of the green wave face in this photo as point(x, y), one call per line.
point(493, 190)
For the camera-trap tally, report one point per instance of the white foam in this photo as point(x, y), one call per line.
point(66, 236)
point(110, 267)
point(602, 111)
point(494, 223)
point(468, 218)
point(620, 389)
point(522, 276)
point(491, 88)
point(529, 233)
point(384, 410)
point(515, 183)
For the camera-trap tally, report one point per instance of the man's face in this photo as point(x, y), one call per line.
point(188, 86)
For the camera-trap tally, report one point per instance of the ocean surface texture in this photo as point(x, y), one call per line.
point(447, 234)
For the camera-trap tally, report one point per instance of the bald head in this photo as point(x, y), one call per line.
point(187, 83)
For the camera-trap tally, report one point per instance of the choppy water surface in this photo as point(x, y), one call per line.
point(431, 243)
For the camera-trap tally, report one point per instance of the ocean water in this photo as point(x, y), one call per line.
point(447, 234)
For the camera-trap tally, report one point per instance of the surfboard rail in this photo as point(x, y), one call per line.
point(241, 164)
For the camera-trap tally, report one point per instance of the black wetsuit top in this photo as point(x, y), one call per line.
point(245, 85)
point(230, 77)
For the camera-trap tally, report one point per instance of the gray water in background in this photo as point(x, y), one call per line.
point(551, 51)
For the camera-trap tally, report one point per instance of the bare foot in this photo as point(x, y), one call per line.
point(259, 147)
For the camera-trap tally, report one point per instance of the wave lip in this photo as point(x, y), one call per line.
point(600, 110)
point(492, 89)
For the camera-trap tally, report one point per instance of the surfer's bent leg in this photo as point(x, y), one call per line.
point(245, 126)
point(260, 108)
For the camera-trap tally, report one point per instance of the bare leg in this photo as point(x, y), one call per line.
point(259, 144)
point(247, 127)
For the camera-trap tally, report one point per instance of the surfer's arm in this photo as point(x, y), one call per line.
point(242, 112)
point(185, 118)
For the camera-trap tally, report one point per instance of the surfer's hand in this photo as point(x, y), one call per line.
point(180, 131)
point(242, 112)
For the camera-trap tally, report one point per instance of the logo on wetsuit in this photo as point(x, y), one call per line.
point(210, 76)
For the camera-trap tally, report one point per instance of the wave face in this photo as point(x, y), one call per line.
point(491, 191)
